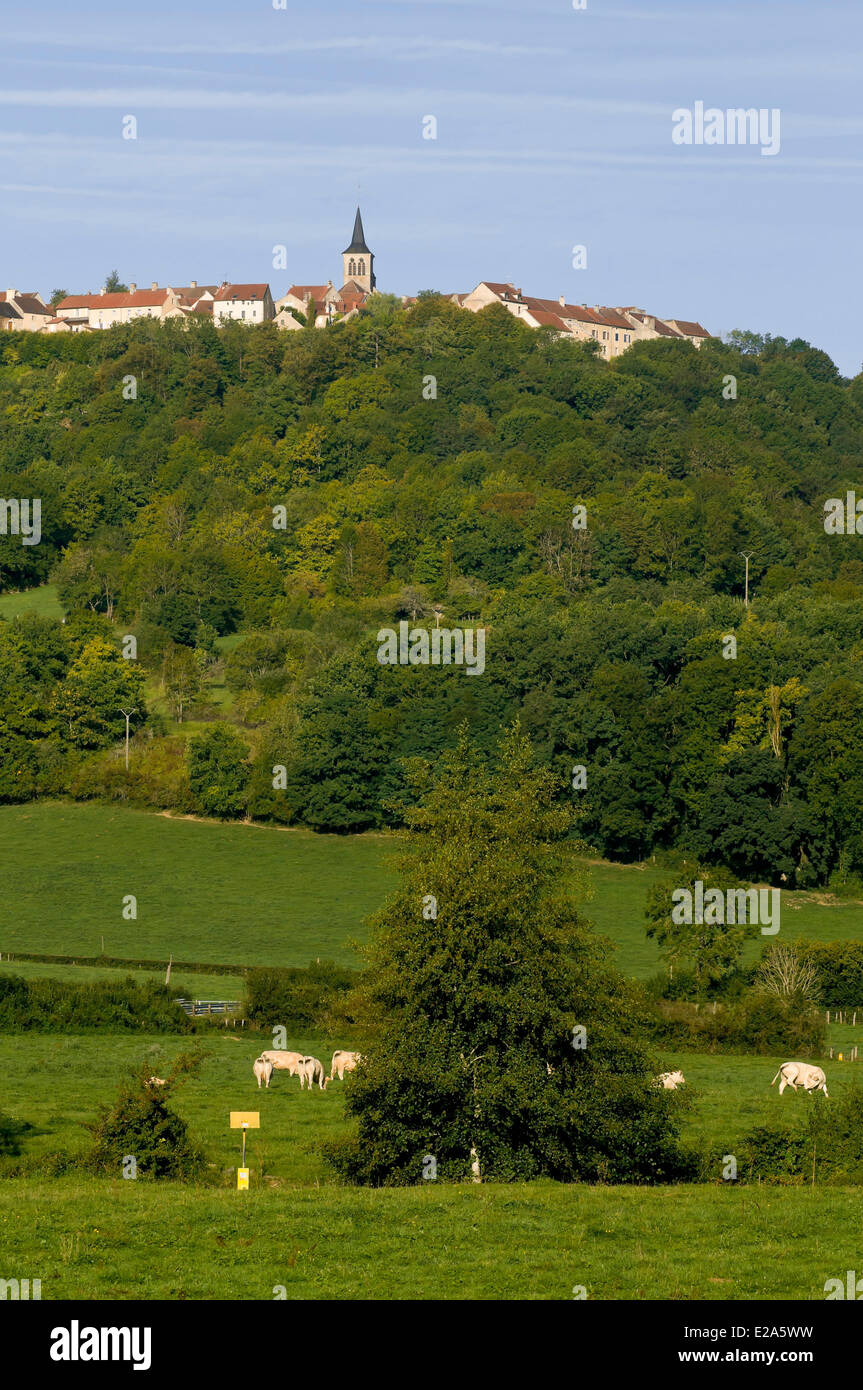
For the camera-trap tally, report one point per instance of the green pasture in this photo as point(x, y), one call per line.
point(194, 985)
point(297, 1228)
point(57, 1083)
point(98, 1239)
point(42, 601)
point(262, 895)
point(205, 891)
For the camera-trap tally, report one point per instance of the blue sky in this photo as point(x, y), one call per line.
point(257, 126)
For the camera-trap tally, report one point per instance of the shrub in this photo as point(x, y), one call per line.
point(10, 1133)
point(40, 1005)
point(296, 997)
point(757, 1022)
point(839, 968)
point(140, 1124)
point(829, 1140)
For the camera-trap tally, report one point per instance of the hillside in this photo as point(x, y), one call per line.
point(259, 505)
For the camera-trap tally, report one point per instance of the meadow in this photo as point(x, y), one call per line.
point(101, 1239)
point(252, 894)
point(263, 895)
point(58, 1082)
point(104, 1238)
point(42, 601)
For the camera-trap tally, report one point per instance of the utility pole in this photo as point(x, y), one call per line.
point(747, 556)
point(128, 713)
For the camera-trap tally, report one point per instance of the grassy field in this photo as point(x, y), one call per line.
point(42, 600)
point(90, 1238)
point(57, 1083)
point(195, 984)
point(206, 892)
point(260, 895)
point(128, 1240)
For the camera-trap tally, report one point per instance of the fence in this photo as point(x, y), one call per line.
point(203, 1008)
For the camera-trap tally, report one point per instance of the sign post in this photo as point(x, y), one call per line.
point(244, 1119)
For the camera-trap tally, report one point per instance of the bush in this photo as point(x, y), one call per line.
point(43, 1005)
point(830, 1139)
point(10, 1133)
point(757, 1022)
point(141, 1125)
point(218, 771)
point(296, 997)
point(840, 970)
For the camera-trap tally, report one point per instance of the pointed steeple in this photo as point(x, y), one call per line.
point(358, 240)
point(357, 260)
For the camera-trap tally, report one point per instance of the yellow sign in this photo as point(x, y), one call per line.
point(242, 1179)
point(245, 1119)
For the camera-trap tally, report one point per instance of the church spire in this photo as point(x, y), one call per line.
point(358, 240)
point(358, 260)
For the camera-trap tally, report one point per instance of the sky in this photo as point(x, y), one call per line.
point(259, 127)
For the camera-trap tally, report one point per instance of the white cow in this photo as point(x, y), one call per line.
point(283, 1061)
point(312, 1070)
point(342, 1062)
point(263, 1070)
point(803, 1074)
point(156, 1081)
point(672, 1079)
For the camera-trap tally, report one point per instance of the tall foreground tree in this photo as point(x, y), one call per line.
point(501, 1043)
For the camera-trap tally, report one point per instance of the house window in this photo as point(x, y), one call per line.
point(617, 337)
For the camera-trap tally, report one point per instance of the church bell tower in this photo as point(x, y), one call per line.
point(357, 259)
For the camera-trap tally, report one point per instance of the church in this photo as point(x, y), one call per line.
point(327, 302)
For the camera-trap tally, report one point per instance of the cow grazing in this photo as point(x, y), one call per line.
point(312, 1070)
point(672, 1079)
point(263, 1070)
point(283, 1061)
point(342, 1062)
point(803, 1074)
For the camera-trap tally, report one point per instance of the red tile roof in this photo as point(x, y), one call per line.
point(304, 292)
point(692, 330)
point(229, 292)
point(139, 299)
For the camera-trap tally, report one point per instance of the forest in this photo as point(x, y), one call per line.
point(230, 516)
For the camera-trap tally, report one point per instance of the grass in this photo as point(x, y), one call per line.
point(42, 600)
point(297, 1228)
point(58, 1082)
point(259, 894)
point(205, 891)
point(86, 1238)
point(262, 895)
point(194, 985)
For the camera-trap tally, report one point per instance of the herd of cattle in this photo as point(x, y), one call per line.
point(791, 1074)
point(309, 1069)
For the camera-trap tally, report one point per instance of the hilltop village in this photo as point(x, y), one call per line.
point(614, 329)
